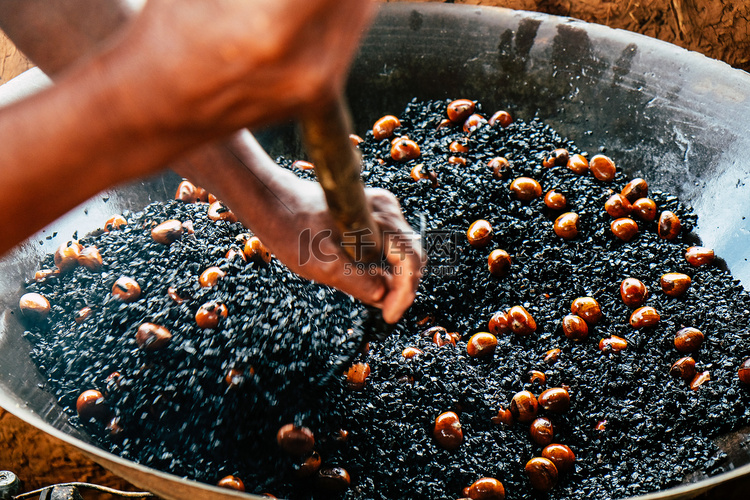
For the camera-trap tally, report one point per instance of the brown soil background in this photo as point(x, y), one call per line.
point(717, 28)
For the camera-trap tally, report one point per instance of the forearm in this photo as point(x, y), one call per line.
point(263, 195)
point(65, 144)
point(44, 148)
point(54, 34)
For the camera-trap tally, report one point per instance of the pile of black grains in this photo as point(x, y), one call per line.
point(633, 427)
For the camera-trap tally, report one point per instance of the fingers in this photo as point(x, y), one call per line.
point(325, 261)
point(403, 253)
point(405, 258)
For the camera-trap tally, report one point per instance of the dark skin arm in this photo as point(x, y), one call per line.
point(102, 61)
point(56, 34)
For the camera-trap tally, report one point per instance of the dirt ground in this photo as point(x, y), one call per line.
point(40, 460)
point(718, 28)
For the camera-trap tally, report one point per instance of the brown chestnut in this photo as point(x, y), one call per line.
point(602, 167)
point(578, 164)
point(209, 314)
point(458, 147)
point(669, 225)
point(618, 206)
point(498, 262)
point(688, 339)
point(560, 455)
point(555, 399)
point(420, 172)
point(42, 274)
point(126, 289)
point(211, 276)
point(499, 323)
point(588, 309)
point(744, 372)
point(152, 337)
point(90, 404)
point(172, 294)
point(551, 356)
point(524, 406)
point(294, 440)
point(411, 352)
point(82, 314)
point(460, 109)
point(644, 209)
point(479, 233)
point(333, 479)
point(542, 432)
point(503, 417)
point(235, 377)
point(231, 483)
point(521, 322)
point(502, 118)
point(635, 189)
point(481, 344)
point(624, 228)
point(613, 344)
point(167, 232)
point(66, 256)
point(190, 193)
point(473, 122)
point(500, 167)
point(574, 327)
point(356, 376)
point(404, 149)
point(699, 256)
point(447, 431)
point(308, 466)
point(115, 222)
point(384, 127)
point(355, 140)
point(558, 157)
point(34, 306)
point(633, 292)
point(542, 473)
point(555, 200)
point(675, 284)
point(90, 258)
point(699, 380)
point(235, 253)
point(486, 488)
point(256, 251)
point(644, 317)
point(683, 368)
point(525, 189)
point(303, 165)
point(219, 211)
point(566, 226)
point(444, 123)
point(535, 376)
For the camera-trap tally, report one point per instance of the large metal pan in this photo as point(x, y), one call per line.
point(666, 114)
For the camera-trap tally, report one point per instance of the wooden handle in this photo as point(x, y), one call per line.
point(337, 162)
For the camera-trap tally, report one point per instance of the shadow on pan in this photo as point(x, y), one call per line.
point(665, 114)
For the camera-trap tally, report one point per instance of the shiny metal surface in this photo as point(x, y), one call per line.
point(673, 117)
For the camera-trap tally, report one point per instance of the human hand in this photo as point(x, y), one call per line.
point(291, 217)
point(209, 67)
point(312, 249)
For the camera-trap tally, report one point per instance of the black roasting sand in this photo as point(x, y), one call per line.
point(179, 416)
